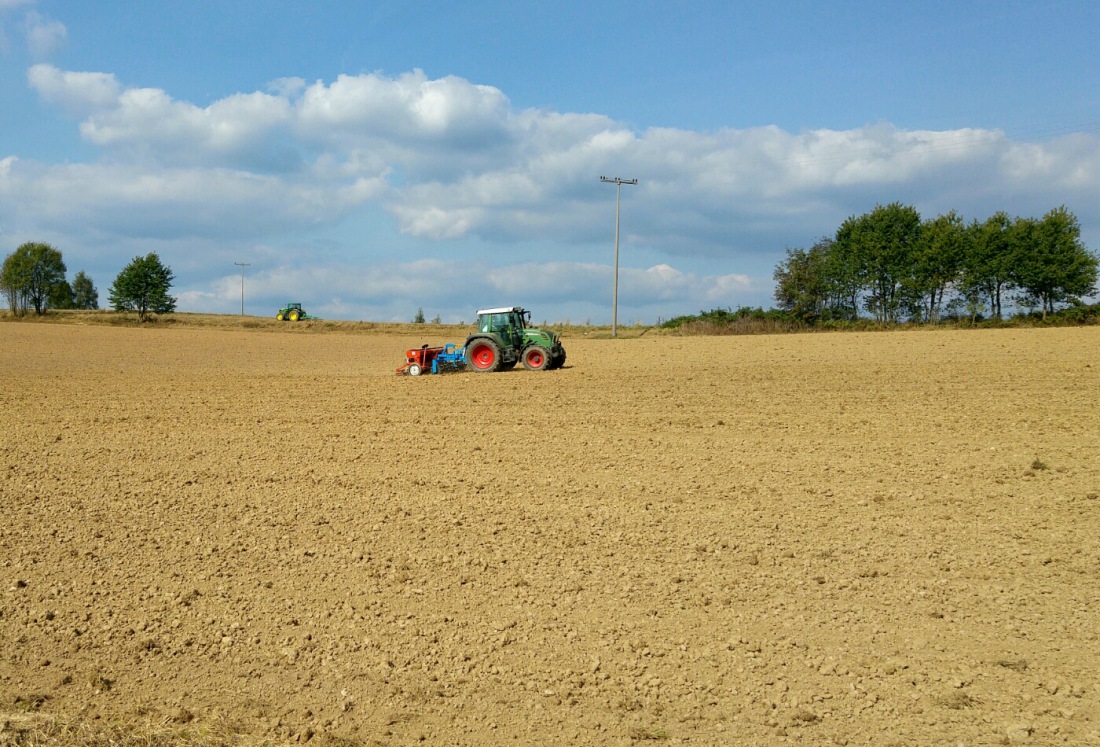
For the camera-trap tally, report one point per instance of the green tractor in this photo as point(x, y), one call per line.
point(505, 337)
point(293, 312)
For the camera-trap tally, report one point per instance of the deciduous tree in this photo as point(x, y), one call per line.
point(803, 283)
point(987, 263)
point(85, 295)
point(143, 286)
point(937, 262)
point(61, 296)
point(29, 275)
point(1050, 264)
point(879, 248)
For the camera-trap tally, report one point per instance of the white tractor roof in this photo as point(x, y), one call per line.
point(501, 310)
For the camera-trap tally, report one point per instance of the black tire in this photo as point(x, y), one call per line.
point(536, 358)
point(557, 361)
point(483, 355)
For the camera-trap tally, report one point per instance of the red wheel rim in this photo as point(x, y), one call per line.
point(534, 359)
point(483, 356)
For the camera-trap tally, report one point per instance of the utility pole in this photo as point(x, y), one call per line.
point(242, 265)
point(615, 294)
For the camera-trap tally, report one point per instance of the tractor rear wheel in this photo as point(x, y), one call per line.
point(536, 358)
point(483, 355)
point(294, 315)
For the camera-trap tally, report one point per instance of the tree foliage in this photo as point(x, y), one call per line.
point(85, 295)
point(880, 248)
point(937, 262)
point(895, 266)
point(986, 272)
point(61, 296)
point(802, 286)
point(29, 276)
point(1051, 265)
point(143, 286)
point(11, 285)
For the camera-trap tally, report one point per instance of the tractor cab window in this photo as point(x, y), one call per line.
point(494, 323)
point(500, 322)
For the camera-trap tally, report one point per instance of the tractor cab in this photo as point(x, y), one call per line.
point(506, 323)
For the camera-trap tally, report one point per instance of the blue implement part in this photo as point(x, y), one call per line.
point(452, 358)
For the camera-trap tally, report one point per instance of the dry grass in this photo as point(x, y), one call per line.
point(957, 701)
point(35, 730)
point(453, 332)
point(641, 733)
point(746, 326)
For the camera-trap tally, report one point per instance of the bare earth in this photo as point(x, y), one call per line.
point(884, 538)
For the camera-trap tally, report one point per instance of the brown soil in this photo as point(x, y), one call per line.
point(884, 538)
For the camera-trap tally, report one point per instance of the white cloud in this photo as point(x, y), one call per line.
point(461, 162)
point(80, 93)
point(454, 162)
point(44, 35)
point(148, 121)
point(409, 107)
point(134, 201)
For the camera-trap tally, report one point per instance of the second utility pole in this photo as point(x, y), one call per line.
point(242, 265)
point(615, 293)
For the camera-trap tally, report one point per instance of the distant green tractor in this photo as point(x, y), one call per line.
point(293, 312)
point(504, 338)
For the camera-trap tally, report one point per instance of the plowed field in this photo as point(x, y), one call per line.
point(884, 538)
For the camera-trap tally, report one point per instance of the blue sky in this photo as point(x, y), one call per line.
point(372, 158)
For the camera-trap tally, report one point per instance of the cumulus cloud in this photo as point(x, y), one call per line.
point(240, 129)
point(408, 107)
point(79, 93)
point(132, 201)
point(452, 161)
point(462, 161)
point(44, 35)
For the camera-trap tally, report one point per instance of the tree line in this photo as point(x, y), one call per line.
point(895, 266)
point(33, 277)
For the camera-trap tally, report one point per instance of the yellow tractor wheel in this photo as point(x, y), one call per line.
point(279, 317)
point(294, 316)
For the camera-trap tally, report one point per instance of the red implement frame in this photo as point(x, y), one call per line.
point(422, 356)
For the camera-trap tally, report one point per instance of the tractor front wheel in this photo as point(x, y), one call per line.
point(536, 358)
point(483, 356)
point(279, 317)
